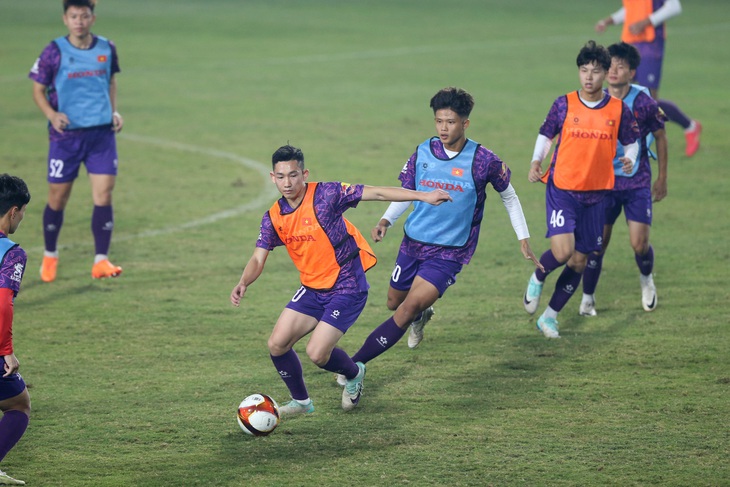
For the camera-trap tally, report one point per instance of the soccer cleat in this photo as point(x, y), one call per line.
point(6, 479)
point(48, 269)
point(294, 407)
point(587, 308)
point(693, 139)
point(548, 327)
point(104, 269)
point(532, 295)
point(648, 293)
point(353, 389)
point(341, 380)
point(416, 334)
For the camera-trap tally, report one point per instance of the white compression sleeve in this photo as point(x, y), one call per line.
point(542, 147)
point(631, 151)
point(395, 210)
point(514, 210)
point(618, 16)
point(670, 9)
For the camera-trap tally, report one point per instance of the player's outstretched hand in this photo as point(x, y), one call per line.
point(437, 196)
point(659, 190)
point(535, 172)
point(378, 232)
point(237, 294)
point(529, 255)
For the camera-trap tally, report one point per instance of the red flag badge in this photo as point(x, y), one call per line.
point(455, 171)
point(101, 58)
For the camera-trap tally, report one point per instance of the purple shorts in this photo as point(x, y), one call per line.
point(440, 273)
point(566, 215)
point(635, 202)
point(338, 310)
point(649, 72)
point(95, 147)
point(11, 386)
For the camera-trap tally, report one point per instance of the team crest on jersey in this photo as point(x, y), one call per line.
point(17, 272)
point(458, 172)
point(503, 173)
point(347, 188)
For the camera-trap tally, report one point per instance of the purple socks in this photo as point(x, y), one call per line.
point(381, 339)
point(12, 426)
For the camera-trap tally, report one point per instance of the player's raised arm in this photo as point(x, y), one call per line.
point(392, 193)
point(251, 272)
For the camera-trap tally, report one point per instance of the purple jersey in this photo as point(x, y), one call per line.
point(552, 127)
point(650, 119)
point(487, 168)
point(331, 200)
point(12, 268)
point(44, 72)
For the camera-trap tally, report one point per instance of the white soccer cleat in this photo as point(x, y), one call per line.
point(548, 327)
point(416, 334)
point(648, 292)
point(587, 307)
point(294, 407)
point(531, 300)
point(6, 479)
point(353, 389)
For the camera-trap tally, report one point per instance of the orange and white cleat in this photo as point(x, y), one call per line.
point(48, 269)
point(104, 269)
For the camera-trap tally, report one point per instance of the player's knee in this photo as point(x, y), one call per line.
point(392, 304)
point(318, 356)
point(275, 348)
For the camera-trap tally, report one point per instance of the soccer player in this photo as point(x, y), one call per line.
point(14, 397)
point(644, 28)
point(438, 242)
point(587, 124)
point(332, 257)
point(633, 191)
point(75, 87)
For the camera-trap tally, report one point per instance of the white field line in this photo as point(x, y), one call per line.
point(267, 194)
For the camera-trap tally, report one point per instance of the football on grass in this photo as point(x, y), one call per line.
point(258, 415)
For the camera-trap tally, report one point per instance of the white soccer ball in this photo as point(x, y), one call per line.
point(258, 415)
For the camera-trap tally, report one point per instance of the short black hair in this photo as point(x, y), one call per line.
point(288, 153)
point(625, 52)
point(78, 3)
point(13, 193)
point(455, 99)
point(593, 52)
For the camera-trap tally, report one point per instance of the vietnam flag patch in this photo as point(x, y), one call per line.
point(101, 58)
point(455, 171)
point(307, 220)
point(610, 123)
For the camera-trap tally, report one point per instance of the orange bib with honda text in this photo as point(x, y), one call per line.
point(309, 246)
point(584, 160)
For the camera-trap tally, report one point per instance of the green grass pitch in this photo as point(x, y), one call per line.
point(135, 381)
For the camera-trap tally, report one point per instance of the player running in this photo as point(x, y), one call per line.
point(332, 257)
point(633, 192)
